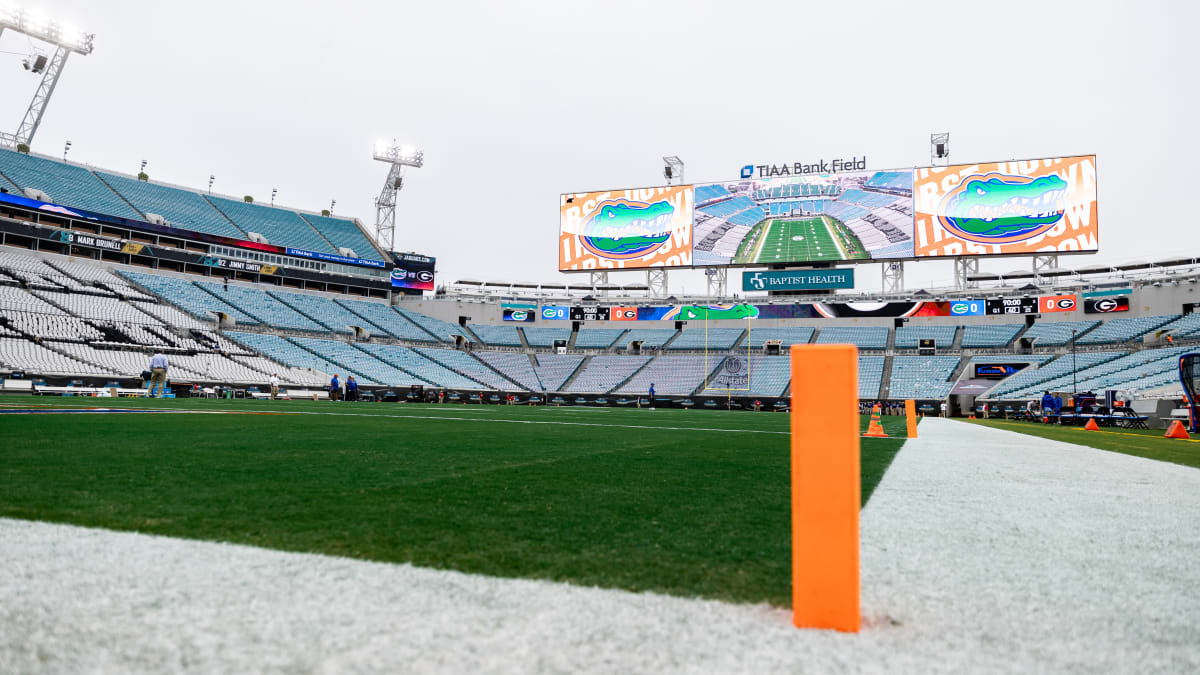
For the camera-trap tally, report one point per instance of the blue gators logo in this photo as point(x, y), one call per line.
point(748, 171)
point(399, 274)
point(621, 229)
point(998, 208)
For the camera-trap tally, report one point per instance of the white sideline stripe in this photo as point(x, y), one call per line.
point(477, 419)
point(983, 550)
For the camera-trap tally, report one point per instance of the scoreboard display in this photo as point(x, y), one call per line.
point(589, 313)
point(1012, 306)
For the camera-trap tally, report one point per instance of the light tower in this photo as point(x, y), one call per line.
point(65, 38)
point(398, 156)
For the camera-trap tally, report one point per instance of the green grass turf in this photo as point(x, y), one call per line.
point(798, 240)
point(674, 501)
point(1140, 443)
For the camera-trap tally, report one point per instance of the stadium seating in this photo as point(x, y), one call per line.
point(604, 372)
point(343, 233)
point(25, 355)
point(94, 278)
point(870, 376)
point(281, 350)
point(787, 336)
point(188, 297)
point(468, 366)
point(14, 299)
point(501, 336)
point(326, 312)
point(280, 226)
point(181, 208)
point(990, 335)
point(1135, 372)
point(922, 376)
point(1056, 333)
point(347, 359)
point(515, 367)
point(722, 339)
point(651, 338)
point(909, 337)
point(672, 375)
point(539, 336)
point(442, 330)
point(66, 184)
point(597, 338)
point(553, 370)
point(866, 337)
point(48, 326)
point(385, 317)
point(97, 307)
point(429, 371)
point(769, 376)
point(258, 304)
point(1031, 382)
point(1124, 329)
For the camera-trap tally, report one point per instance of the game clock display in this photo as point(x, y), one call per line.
point(1012, 306)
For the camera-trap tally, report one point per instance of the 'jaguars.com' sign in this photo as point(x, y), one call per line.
point(413, 271)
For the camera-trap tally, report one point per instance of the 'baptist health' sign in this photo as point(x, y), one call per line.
point(798, 280)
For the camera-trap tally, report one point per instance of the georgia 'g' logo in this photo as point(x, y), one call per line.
point(998, 208)
point(425, 276)
point(1063, 303)
point(621, 229)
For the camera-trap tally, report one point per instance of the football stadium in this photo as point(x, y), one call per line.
point(816, 418)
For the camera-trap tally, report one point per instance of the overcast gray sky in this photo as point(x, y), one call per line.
point(515, 102)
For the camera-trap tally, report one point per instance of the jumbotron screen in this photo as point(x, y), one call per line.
point(1022, 207)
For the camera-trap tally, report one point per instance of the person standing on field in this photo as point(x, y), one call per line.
point(334, 388)
point(158, 374)
point(275, 386)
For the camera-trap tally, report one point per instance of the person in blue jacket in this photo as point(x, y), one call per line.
point(334, 388)
point(651, 394)
point(1047, 403)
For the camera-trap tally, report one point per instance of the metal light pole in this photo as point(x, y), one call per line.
point(398, 156)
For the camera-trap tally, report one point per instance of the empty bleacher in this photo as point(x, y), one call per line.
point(544, 337)
point(865, 337)
point(604, 372)
point(422, 367)
point(870, 376)
point(553, 370)
point(515, 367)
point(651, 338)
point(909, 337)
point(66, 184)
point(442, 330)
point(800, 335)
point(990, 335)
point(722, 339)
point(1124, 329)
point(501, 336)
point(388, 319)
point(263, 307)
point(1057, 333)
point(1031, 382)
point(185, 295)
point(279, 226)
point(467, 365)
point(597, 338)
point(922, 376)
point(181, 208)
point(343, 233)
point(326, 312)
point(672, 375)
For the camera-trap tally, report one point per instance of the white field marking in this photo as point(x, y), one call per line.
point(486, 419)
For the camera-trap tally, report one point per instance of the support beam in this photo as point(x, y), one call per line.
point(893, 277)
point(718, 281)
point(965, 267)
point(656, 282)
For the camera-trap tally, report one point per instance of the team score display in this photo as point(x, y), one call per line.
point(1013, 306)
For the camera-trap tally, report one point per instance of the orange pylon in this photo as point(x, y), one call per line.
point(1091, 425)
point(1176, 430)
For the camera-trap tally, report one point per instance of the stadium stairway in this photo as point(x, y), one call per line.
point(571, 340)
point(667, 345)
point(324, 238)
point(958, 338)
point(524, 340)
point(475, 338)
point(890, 349)
point(578, 369)
point(885, 382)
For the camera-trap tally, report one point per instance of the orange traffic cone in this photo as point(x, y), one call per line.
point(875, 430)
point(1176, 430)
point(1091, 425)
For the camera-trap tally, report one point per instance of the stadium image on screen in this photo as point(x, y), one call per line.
point(822, 218)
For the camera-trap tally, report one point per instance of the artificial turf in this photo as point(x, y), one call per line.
point(1137, 442)
point(692, 503)
point(798, 240)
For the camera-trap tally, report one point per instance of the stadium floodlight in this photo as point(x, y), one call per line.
point(673, 169)
point(274, 191)
point(211, 178)
point(332, 203)
point(65, 38)
point(66, 149)
point(398, 156)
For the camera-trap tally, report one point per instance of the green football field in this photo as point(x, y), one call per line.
point(694, 503)
point(807, 239)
